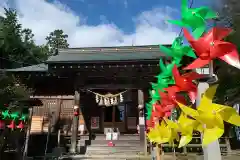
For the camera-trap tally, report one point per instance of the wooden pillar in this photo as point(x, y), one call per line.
point(75, 124)
point(141, 122)
point(25, 152)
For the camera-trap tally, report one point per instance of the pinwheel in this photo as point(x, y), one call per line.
point(174, 128)
point(23, 117)
point(159, 134)
point(150, 122)
point(5, 114)
point(159, 86)
point(149, 107)
point(166, 70)
point(170, 99)
point(2, 124)
point(211, 46)
point(184, 83)
point(14, 116)
point(20, 125)
point(11, 125)
point(177, 51)
point(186, 127)
point(161, 111)
point(154, 95)
point(195, 18)
point(211, 116)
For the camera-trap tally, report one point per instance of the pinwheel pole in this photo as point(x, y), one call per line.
point(212, 151)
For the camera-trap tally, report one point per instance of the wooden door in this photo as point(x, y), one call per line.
point(114, 117)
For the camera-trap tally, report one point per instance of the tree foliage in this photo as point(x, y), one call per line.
point(18, 49)
point(229, 16)
point(57, 39)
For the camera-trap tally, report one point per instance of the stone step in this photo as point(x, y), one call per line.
point(109, 157)
point(105, 142)
point(103, 137)
point(125, 143)
point(112, 150)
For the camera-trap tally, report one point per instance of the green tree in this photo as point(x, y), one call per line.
point(17, 49)
point(11, 41)
point(229, 16)
point(57, 39)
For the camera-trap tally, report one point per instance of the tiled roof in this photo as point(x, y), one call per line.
point(34, 68)
point(93, 54)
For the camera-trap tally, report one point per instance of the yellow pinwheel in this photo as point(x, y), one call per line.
point(211, 116)
point(186, 127)
point(159, 134)
point(174, 129)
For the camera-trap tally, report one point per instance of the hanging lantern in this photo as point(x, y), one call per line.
point(20, 125)
point(75, 110)
point(2, 125)
point(12, 125)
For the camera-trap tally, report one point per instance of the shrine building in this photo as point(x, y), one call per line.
point(109, 85)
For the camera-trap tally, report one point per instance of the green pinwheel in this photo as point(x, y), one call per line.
point(165, 77)
point(177, 51)
point(14, 116)
point(149, 107)
point(154, 94)
point(24, 117)
point(159, 86)
point(166, 70)
point(194, 18)
point(5, 114)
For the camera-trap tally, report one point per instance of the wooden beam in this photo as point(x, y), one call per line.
point(111, 86)
point(141, 122)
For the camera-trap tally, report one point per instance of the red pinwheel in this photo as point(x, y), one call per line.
point(149, 123)
point(211, 46)
point(21, 125)
point(11, 125)
point(170, 99)
point(184, 83)
point(2, 124)
point(161, 111)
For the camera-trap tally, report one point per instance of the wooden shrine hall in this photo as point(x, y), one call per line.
point(109, 86)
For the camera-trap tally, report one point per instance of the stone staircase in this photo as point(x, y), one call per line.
point(127, 146)
point(38, 125)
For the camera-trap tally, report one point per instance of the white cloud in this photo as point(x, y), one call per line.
point(43, 17)
point(125, 3)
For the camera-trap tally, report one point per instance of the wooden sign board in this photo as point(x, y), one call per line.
point(95, 122)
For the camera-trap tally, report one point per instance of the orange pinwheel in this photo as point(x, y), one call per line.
point(184, 83)
point(210, 46)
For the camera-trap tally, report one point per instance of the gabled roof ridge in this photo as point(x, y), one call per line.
point(115, 49)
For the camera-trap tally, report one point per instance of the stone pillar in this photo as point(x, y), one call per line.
point(141, 122)
point(75, 124)
point(212, 151)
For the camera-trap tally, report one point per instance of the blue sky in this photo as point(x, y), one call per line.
point(120, 12)
point(101, 22)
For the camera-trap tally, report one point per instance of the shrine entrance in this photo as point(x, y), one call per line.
point(114, 117)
